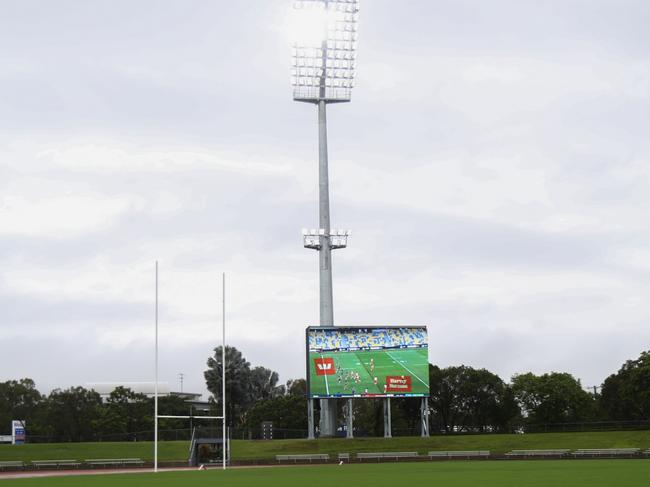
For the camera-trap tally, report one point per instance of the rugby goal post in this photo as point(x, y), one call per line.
point(223, 381)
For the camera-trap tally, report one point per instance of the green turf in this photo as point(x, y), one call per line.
point(167, 451)
point(578, 473)
point(365, 371)
point(248, 450)
point(497, 444)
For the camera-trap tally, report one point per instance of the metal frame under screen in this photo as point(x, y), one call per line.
point(367, 361)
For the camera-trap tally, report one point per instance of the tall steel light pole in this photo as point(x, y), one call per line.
point(324, 57)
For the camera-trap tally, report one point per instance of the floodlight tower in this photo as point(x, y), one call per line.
point(324, 57)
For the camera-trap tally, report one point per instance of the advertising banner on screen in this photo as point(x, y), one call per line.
point(371, 361)
point(324, 366)
point(400, 383)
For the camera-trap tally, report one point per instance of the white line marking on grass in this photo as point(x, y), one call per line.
point(327, 386)
point(411, 372)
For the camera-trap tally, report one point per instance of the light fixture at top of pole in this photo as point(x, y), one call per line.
point(324, 44)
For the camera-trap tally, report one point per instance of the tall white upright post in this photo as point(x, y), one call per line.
point(155, 387)
point(223, 370)
point(190, 417)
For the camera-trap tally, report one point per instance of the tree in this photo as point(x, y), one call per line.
point(369, 417)
point(286, 412)
point(73, 414)
point(552, 398)
point(405, 414)
point(237, 382)
point(296, 387)
point(19, 400)
point(626, 394)
point(264, 384)
point(468, 399)
point(131, 412)
point(175, 406)
point(244, 386)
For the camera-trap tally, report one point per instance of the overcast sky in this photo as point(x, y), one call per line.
point(493, 167)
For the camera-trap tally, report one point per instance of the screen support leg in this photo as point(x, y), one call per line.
point(424, 414)
point(310, 419)
point(387, 425)
point(350, 420)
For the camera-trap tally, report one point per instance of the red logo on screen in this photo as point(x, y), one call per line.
point(398, 383)
point(324, 366)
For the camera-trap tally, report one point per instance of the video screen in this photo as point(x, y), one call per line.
point(377, 361)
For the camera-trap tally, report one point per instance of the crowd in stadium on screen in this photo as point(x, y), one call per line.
point(366, 339)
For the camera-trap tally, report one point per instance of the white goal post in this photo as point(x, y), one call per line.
point(223, 382)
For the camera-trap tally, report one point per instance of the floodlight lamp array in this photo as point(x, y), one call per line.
point(338, 239)
point(324, 57)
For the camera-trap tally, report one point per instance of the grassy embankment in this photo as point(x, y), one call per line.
point(249, 450)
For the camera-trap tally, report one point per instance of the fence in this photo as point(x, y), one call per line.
point(285, 434)
point(587, 426)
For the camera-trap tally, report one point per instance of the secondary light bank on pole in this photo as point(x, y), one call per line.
point(323, 71)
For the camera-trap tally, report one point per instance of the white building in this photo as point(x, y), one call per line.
point(104, 389)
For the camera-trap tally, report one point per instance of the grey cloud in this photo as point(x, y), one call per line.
point(26, 311)
point(215, 76)
point(414, 239)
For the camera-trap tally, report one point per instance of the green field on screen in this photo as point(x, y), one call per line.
point(357, 373)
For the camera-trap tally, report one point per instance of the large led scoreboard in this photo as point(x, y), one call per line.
point(370, 361)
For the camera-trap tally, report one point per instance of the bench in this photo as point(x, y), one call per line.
point(12, 464)
point(459, 454)
point(344, 457)
point(606, 452)
point(321, 457)
point(114, 462)
point(396, 455)
point(55, 463)
point(538, 453)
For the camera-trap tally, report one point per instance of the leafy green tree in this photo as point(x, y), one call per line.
point(238, 388)
point(264, 384)
point(73, 414)
point(244, 386)
point(405, 415)
point(19, 400)
point(134, 410)
point(626, 394)
point(109, 422)
point(369, 417)
point(552, 398)
point(468, 399)
point(286, 412)
point(175, 406)
point(296, 387)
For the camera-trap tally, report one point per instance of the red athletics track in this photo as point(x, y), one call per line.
point(63, 473)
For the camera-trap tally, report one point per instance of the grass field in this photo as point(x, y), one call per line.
point(249, 450)
point(583, 473)
point(356, 373)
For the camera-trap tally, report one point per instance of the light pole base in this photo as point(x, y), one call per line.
point(328, 418)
